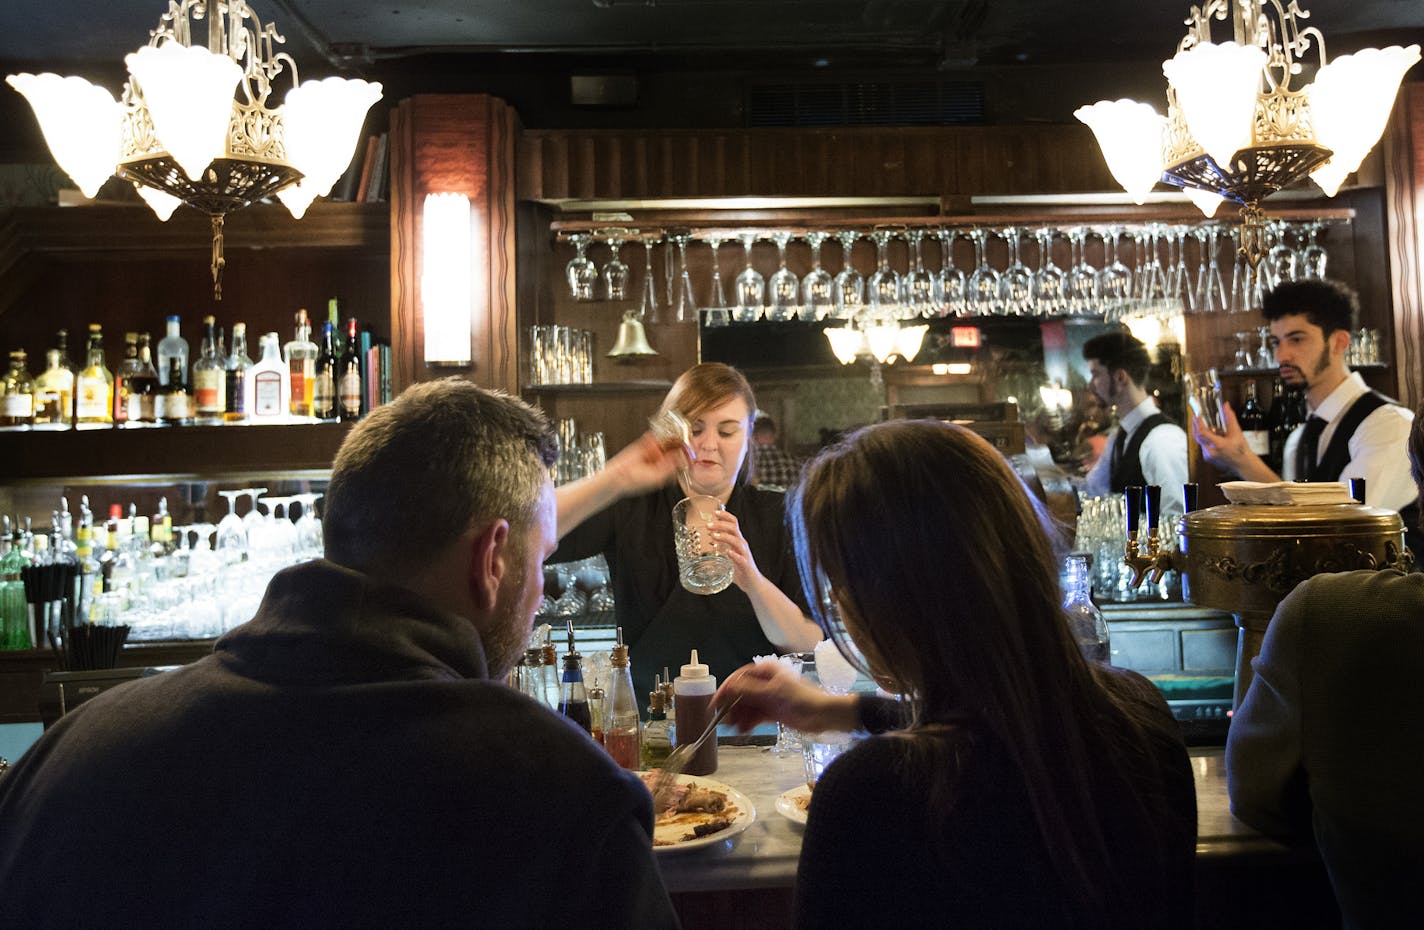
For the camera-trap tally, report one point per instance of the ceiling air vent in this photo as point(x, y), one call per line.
point(866, 103)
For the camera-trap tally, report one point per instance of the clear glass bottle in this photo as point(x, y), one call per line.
point(128, 367)
point(1087, 623)
point(239, 365)
point(209, 377)
point(14, 611)
point(175, 405)
point(17, 394)
point(94, 387)
point(622, 728)
point(54, 394)
point(172, 346)
point(657, 735)
point(301, 355)
point(142, 387)
point(271, 383)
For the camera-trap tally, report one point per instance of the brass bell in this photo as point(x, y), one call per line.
point(632, 340)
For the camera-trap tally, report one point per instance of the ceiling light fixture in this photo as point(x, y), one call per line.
point(1234, 125)
point(192, 125)
point(880, 339)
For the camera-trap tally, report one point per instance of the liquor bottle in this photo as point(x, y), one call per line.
point(61, 343)
point(142, 387)
point(94, 387)
point(271, 383)
point(1253, 423)
point(1276, 419)
point(334, 318)
point(175, 405)
point(239, 365)
point(622, 730)
point(209, 377)
point(14, 611)
point(127, 368)
point(573, 698)
point(324, 384)
point(88, 564)
point(301, 364)
point(17, 394)
point(54, 394)
point(172, 346)
point(349, 386)
point(1085, 620)
point(160, 530)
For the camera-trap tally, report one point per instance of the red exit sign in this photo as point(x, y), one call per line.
point(964, 337)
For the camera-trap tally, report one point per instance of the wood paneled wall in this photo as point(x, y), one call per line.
point(1403, 148)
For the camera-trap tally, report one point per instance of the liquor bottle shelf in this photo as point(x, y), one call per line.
point(599, 387)
point(212, 452)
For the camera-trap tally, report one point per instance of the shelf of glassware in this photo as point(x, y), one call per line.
point(117, 455)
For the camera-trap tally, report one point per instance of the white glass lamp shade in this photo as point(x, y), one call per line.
point(81, 124)
point(189, 93)
point(882, 339)
point(1350, 101)
point(445, 286)
point(321, 123)
point(909, 340)
point(162, 204)
point(1130, 135)
point(1206, 201)
point(846, 343)
point(297, 197)
point(1216, 89)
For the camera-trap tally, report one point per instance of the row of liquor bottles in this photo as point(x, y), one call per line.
point(1265, 429)
point(301, 381)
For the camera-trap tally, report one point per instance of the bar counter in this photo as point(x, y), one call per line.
point(1244, 879)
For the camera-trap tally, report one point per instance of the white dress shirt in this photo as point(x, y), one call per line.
point(1163, 455)
point(1378, 450)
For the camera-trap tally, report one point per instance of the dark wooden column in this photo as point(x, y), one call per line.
point(462, 144)
point(1403, 148)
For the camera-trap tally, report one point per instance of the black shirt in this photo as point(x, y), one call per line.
point(662, 622)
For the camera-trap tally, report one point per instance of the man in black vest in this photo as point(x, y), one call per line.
point(1145, 447)
point(1352, 431)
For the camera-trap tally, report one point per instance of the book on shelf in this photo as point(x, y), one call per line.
point(344, 189)
point(367, 160)
point(375, 181)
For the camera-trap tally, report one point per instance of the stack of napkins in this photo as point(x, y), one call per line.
point(1285, 492)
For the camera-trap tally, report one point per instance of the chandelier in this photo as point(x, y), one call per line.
point(880, 339)
point(1235, 128)
point(193, 125)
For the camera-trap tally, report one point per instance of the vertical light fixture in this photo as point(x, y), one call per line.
point(447, 265)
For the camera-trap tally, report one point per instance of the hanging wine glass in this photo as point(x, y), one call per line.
point(751, 286)
point(948, 291)
point(1242, 281)
point(615, 273)
point(849, 283)
point(1016, 281)
point(982, 288)
point(784, 288)
point(817, 287)
point(649, 303)
point(1153, 275)
point(1281, 259)
point(1179, 290)
point(1050, 282)
point(1210, 291)
point(883, 286)
point(717, 313)
point(1312, 255)
point(686, 302)
point(1082, 290)
point(917, 285)
point(580, 271)
point(1114, 278)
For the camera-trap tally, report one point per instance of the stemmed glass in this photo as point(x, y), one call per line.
point(982, 288)
point(949, 281)
point(751, 286)
point(1245, 358)
point(849, 283)
point(309, 542)
point(1281, 259)
point(1265, 355)
point(1049, 282)
point(1114, 278)
point(232, 532)
point(784, 287)
point(817, 287)
point(581, 272)
point(717, 312)
point(1153, 276)
point(1242, 280)
point(649, 304)
point(1179, 289)
point(253, 519)
point(884, 283)
point(615, 273)
point(281, 531)
point(1016, 281)
point(1210, 291)
point(917, 285)
point(1082, 282)
point(686, 302)
point(1312, 256)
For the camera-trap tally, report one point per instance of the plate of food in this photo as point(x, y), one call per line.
point(794, 804)
point(700, 812)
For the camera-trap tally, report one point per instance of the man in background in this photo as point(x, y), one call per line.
point(774, 467)
point(351, 755)
point(1145, 447)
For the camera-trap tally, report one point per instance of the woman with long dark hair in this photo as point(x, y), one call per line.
point(1025, 785)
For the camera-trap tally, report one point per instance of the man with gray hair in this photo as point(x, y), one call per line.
point(350, 756)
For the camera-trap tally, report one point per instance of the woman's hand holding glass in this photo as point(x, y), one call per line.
point(727, 533)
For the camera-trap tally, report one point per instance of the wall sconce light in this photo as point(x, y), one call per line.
point(445, 285)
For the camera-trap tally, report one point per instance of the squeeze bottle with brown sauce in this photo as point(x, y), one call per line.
point(693, 689)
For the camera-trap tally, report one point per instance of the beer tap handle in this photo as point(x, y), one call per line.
point(1154, 509)
point(1132, 497)
point(1189, 497)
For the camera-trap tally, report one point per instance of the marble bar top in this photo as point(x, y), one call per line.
point(765, 854)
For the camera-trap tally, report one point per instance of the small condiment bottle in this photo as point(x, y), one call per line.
point(694, 688)
point(573, 699)
point(657, 734)
point(622, 728)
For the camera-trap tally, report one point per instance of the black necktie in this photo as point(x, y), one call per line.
point(1119, 443)
point(1306, 454)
